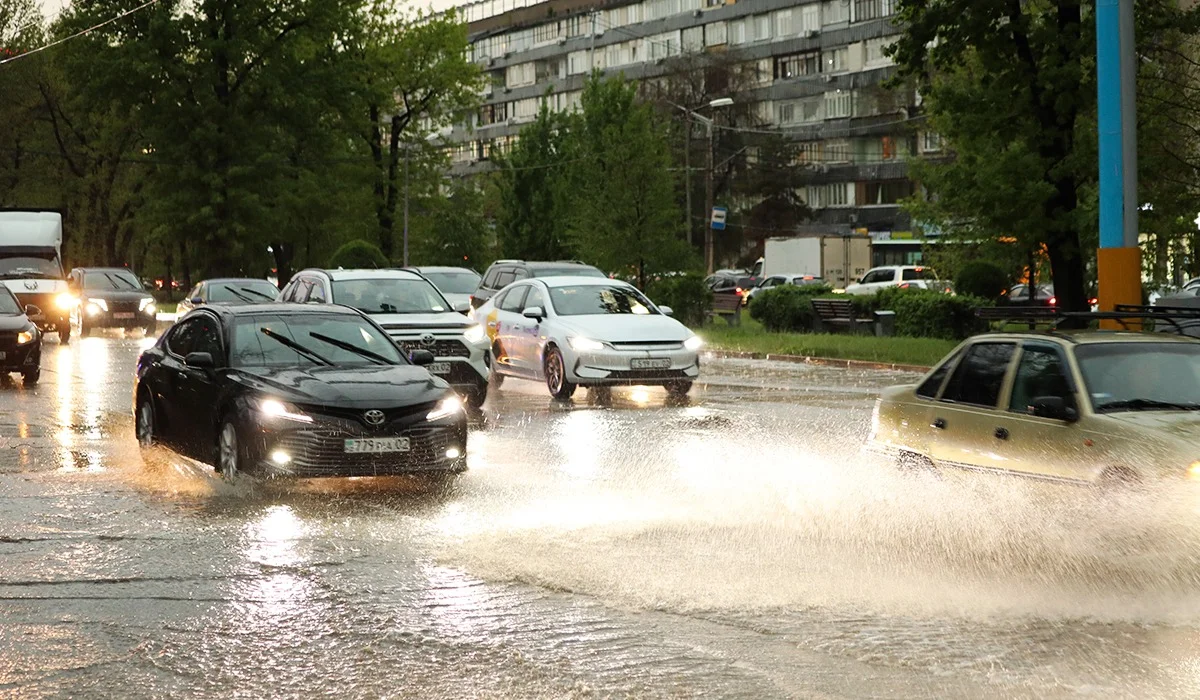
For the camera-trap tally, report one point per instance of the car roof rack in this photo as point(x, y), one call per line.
point(1178, 318)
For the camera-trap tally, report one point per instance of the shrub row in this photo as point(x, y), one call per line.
point(920, 313)
point(687, 295)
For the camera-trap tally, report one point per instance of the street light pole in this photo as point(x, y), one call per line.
point(407, 154)
point(709, 256)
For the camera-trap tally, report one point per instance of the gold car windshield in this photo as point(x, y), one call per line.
point(1141, 376)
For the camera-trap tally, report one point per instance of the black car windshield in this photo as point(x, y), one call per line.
point(457, 282)
point(595, 299)
point(1141, 376)
point(276, 340)
point(579, 271)
point(8, 303)
point(30, 265)
point(389, 296)
point(109, 280)
point(242, 292)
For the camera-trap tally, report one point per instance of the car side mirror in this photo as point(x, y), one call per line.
point(196, 300)
point(199, 360)
point(462, 307)
point(666, 310)
point(420, 358)
point(1054, 408)
point(534, 312)
point(33, 310)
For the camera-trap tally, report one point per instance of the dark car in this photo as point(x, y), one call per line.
point(231, 290)
point(504, 272)
point(20, 339)
point(293, 390)
point(110, 297)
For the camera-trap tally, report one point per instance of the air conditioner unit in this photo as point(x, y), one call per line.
point(491, 61)
point(810, 34)
point(697, 13)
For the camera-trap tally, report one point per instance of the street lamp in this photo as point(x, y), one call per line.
point(430, 138)
point(708, 184)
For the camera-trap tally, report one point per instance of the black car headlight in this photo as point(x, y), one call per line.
point(274, 408)
point(27, 336)
point(445, 408)
point(147, 306)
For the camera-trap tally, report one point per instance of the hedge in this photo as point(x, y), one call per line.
point(983, 279)
point(687, 295)
point(787, 307)
point(358, 254)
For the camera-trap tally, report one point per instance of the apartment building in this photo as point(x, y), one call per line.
point(817, 70)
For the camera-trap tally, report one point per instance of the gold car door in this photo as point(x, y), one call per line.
point(963, 421)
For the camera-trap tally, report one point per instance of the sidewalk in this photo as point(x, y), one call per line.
point(805, 359)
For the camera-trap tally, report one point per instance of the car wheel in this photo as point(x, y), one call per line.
point(556, 375)
point(146, 425)
point(84, 330)
point(31, 376)
point(64, 332)
point(477, 396)
point(678, 389)
point(231, 456)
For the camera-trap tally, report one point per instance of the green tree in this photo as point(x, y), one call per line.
point(454, 231)
point(531, 218)
point(358, 254)
point(622, 213)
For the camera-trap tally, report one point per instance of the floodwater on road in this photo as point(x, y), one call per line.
point(735, 546)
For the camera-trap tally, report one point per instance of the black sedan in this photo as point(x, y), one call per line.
point(231, 291)
point(290, 390)
point(20, 339)
point(110, 297)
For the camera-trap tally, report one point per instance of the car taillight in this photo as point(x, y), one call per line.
point(737, 290)
point(1053, 301)
point(1093, 301)
point(904, 286)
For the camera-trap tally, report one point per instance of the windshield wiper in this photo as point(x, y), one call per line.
point(256, 293)
point(243, 297)
point(1146, 405)
point(295, 346)
point(114, 279)
point(351, 347)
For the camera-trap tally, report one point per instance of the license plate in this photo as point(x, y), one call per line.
point(123, 314)
point(652, 363)
point(376, 445)
point(439, 367)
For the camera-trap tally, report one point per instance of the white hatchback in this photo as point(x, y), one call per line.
point(896, 276)
point(572, 331)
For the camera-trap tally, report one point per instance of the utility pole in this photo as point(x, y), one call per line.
point(708, 203)
point(407, 153)
point(687, 176)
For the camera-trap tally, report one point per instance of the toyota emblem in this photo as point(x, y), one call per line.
point(31, 285)
point(373, 417)
point(428, 339)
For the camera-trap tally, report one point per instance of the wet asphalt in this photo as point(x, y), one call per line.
point(735, 546)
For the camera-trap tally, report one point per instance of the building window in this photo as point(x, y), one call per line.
point(787, 112)
point(873, 9)
point(931, 141)
point(885, 192)
point(520, 75)
point(839, 104)
point(762, 27)
point(577, 62)
point(835, 60)
point(693, 39)
point(737, 31)
point(808, 152)
point(835, 12)
point(835, 194)
point(714, 34)
point(837, 151)
point(546, 33)
point(783, 23)
point(579, 25)
point(796, 65)
point(873, 56)
point(810, 18)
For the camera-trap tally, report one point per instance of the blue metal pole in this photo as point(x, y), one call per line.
point(1112, 161)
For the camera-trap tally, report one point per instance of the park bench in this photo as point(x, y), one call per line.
point(729, 306)
point(832, 314)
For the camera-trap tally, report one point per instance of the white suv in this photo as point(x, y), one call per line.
point(413, 312)
point(896, 276)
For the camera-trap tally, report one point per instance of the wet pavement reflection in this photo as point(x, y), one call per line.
point(735, 544)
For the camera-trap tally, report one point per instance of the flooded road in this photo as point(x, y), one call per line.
point(737, 546)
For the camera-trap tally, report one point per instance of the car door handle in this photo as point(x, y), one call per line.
point(939, 423)
point(1001, 433)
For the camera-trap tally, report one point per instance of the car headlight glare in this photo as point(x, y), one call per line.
point(100, 304)
point(65, 301)
point(278, 409)
point(25, 337)
point(474, 334)
point(580, 344)
point(145, 304)
point(445, 408)
point(693, 343)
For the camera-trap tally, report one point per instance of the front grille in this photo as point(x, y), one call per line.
point(123, 306)
point(8, 342)
point(394, 419)
point(648, 374)
point(648, 345)
point(441, 347)
point(322, 453)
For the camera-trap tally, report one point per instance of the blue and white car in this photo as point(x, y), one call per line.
point(581, 331)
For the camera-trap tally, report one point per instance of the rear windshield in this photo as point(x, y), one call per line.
point(573, 271)
point(308, 340)
point(917, 273)
point(463, 282)
point(248, 292)
point(108, 280)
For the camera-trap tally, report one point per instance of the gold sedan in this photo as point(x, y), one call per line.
point(1086, 407)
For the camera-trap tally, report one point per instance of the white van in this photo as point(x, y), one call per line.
point(31, 266)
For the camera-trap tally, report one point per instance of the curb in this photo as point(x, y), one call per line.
point(826, 361)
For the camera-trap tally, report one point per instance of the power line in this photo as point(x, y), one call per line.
point(80, 33)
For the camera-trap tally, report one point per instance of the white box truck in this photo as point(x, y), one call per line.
point(31, 265)
point(839, 260)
